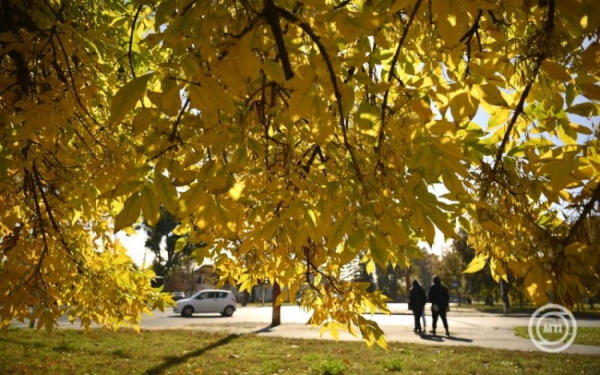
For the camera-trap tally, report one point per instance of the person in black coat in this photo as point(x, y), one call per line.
point(416, 302)
point(440, 299)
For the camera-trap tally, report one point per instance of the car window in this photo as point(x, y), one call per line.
point(210, 295)
point(201, 296)
point(222, 294)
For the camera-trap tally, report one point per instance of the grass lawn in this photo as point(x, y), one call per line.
point(25, 351)
point(585, 335)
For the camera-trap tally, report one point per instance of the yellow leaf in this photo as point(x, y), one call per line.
point(193, 199)
point(125, 99)
point(556, 71)
point(518, 268)
point(446, 14)
point(180, 244)
point(171, 101)
point(476, 264)
point(590, 91)
point(491, 95)
point(338, 230)
point(536, 286)
point(463, 105)
point(576, 248)
point(300, 102)
point(581, 129)
point(422, 109)
point(130, 213)
point(150, 206)
point(235, 192)
point(167, 194)
point(390, 227)
point(370, 268)
point(591, 58)
point(492, 226)
point(440, 126)
point(428, 231)
point(274, 70)
point(334, 331)
point(498, 270)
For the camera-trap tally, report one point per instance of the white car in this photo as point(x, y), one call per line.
point(207, 301)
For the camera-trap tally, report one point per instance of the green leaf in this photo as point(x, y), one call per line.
point(125, 99)
point(130, 213)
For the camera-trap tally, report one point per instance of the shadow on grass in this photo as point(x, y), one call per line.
point(172, 361)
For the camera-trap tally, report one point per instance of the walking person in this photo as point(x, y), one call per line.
point(416, 302)
point(440, 299)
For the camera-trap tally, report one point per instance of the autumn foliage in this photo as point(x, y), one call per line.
point(292, 137)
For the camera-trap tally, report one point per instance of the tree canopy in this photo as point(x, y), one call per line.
point(291, 136)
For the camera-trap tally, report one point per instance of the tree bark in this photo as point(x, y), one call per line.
point(276, 317)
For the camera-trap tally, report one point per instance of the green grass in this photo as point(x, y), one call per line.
point(124, 352)
point(529, 309)
point(585, 335)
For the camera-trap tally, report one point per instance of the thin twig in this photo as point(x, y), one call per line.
point(584, 214)
point(131, 39)
point(176, 125)
point(85, 110)
point(391, 75)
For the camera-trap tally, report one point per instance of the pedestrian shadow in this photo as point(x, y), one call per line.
point(454, 338)
point(444, 338)
point(426, 336)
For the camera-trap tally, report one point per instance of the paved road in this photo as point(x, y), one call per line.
point(467, 327)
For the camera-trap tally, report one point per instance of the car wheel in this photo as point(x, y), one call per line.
point(187, 311)
point(228, 311)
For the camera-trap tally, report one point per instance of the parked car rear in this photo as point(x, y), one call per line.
point(207, 301)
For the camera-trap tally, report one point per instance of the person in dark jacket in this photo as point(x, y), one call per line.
point(439, 298)
point(416, 302)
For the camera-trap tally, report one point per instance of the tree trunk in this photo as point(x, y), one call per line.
point(276, 318)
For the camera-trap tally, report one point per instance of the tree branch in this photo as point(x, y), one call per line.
point(271, 12)
point(131, 39)
point(338, 94)
point(391, 75)
point(85, 110)
point(584, 214)
point(176, 125)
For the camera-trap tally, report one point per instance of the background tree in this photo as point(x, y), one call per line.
point(168, 244)
point(479, 286)
point(291, 137)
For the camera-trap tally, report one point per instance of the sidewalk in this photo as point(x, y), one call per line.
point(467, 328)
